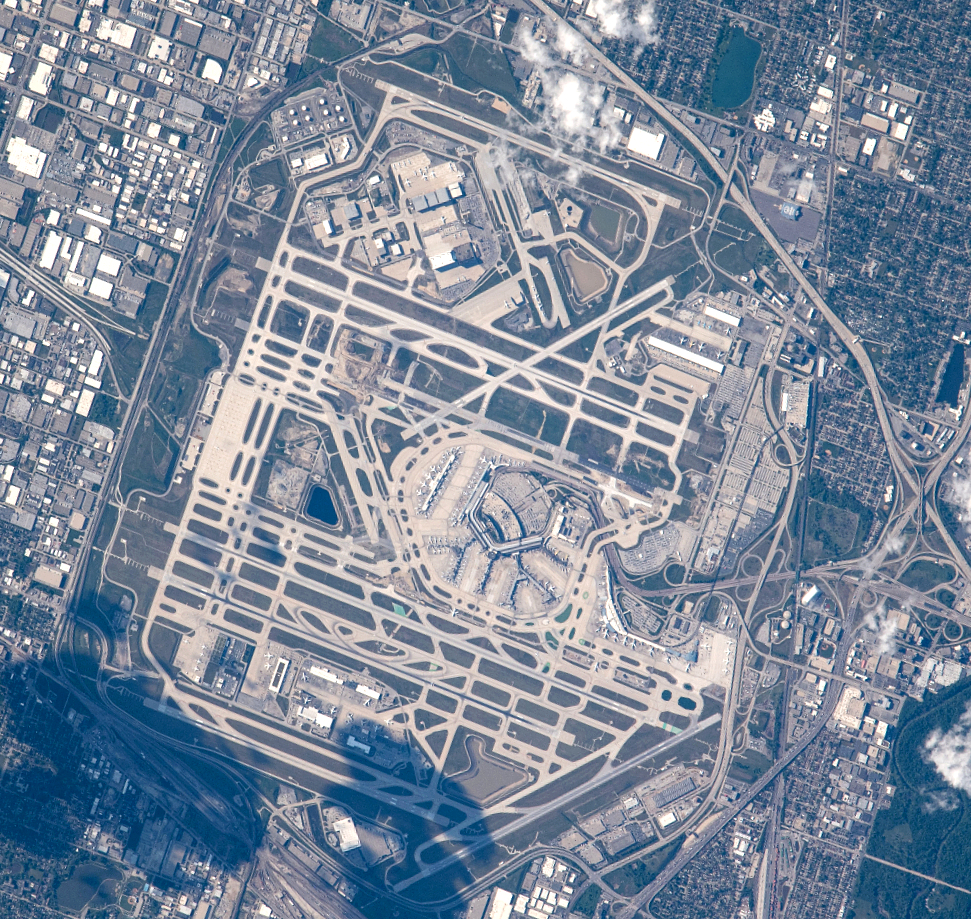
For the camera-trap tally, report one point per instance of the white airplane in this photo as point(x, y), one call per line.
point(683, 339)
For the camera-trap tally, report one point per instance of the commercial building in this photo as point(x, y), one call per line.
point(645, 143)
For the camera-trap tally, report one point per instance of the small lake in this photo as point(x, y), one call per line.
point(735, 77)
point(320, 506)
point(953, 378)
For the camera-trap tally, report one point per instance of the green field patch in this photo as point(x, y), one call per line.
point(87, 881)
point(594, 444)
point(602, 413)
point(559, 396)
point(570, 678)
point(608, 716)
point(184, 596)
point(831, 533)
point(163, 642)
point(632, 878)
point(588, 736)
point(150, 459)
point(581, 350)
point(425, 720)
point(456, 655)
point(408, 636)
point(749, 767)
point(290, 321)
point(448, 626)
point(663, 411)
point(243, 594)
point(491, 693)
point(442, 702)
point(480, 65)
point(258, 576)
point(442, 381)
point(537, 712)
point(266, 554)
point(643, 739)
point(327, 604)
point(604, 221)
point(482, 718)
point(565, 372)
point(324, 274)
point(516, 679)
point(527, 415)
point(563, 785)
point(647, 465)
point(613, 391)
point(207, 532)
point(677, 260)
point(241, 620)
point(521, 657)
point(619, 699)
point(329, 42)
point(329, 580)
point(572, 753)
point(199, 553)
point(561, 698)
point(736, 256)
point(528, 736)
point(925, 575)
point(197, 576)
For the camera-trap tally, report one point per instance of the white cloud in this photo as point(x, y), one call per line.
point(940, 801)
point(884, 624)
point(627, 22)
point(895, 545)
point(961, 496)
point(573, 104)
point(950, 753)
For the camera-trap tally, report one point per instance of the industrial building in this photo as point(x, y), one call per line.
point(645, 143)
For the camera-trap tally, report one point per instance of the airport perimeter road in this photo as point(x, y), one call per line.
point(713, 829)
point(560, 803)
point(689, 852)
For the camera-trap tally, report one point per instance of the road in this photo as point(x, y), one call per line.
point(713, 829)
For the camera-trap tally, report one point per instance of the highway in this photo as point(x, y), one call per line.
point(712, 829)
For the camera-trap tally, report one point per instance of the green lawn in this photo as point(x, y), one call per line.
point(150, 458)
point(925, 575)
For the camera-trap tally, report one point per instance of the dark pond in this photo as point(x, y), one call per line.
point(320, 506)
point(953, 378)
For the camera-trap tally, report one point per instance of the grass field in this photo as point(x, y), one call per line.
point(150, 458)
point(735, 256)
point(591, 442)
point(189, 356)
point(830, 532)
point(925, 575)
point(480, 66)
point(526, 415)
point(675, 260)
point(329, 42)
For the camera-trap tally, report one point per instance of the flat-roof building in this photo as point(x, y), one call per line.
point(645, 143)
